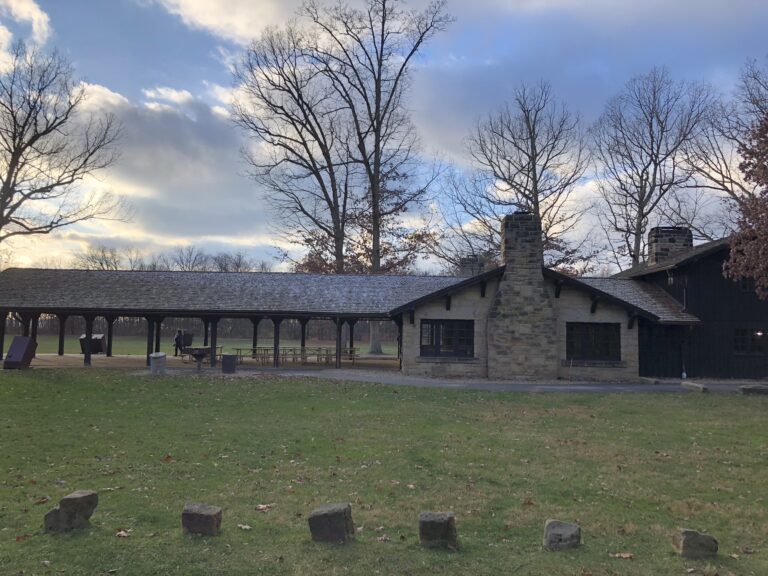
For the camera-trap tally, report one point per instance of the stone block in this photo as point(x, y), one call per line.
point(560, 535)
point(332, 523)
point(201, 519)
point(73, 511)
point(753, 389)
point(438, 530)
point(694, 545)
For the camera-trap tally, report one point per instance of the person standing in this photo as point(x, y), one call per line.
point(178, 343)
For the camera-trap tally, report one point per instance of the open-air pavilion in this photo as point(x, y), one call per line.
point(209, 296)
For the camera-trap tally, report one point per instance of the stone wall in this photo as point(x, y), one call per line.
point(574, 305)
point(468, 304)
point(521, 322)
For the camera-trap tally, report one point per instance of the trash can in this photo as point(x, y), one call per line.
point(228, 363)
point(157, 363)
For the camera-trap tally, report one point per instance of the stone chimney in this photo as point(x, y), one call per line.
point(522, 338)
point(471, 265)
point(667, 241)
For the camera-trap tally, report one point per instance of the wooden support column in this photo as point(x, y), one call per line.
point(3, 317)
point(150, 333)
point(255, 321)
point(88, 338)
point(35, 326)
point(26, 321)
point(276, 343)
point(339, 325)
point(214, 335)
point(110, 333)
point(158, 327)
point(62, 331)
point(399, 324)
point(351, 323)
point(206, 323)
point(303, 322)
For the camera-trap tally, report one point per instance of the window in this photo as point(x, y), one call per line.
point(454, 338)
point(749, 341)
point(593, 341)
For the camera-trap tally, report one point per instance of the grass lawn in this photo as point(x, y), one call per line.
point(628, 468)
point(136, 345)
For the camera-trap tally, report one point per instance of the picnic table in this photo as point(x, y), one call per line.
point(321, 354)
point(201, 352)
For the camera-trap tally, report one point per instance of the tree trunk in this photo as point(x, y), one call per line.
point(375, 347)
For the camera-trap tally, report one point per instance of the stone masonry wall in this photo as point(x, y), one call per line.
point(467, 304)
point(574, 306)
point(522, 336)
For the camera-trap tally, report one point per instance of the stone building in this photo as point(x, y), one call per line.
point(516, 320)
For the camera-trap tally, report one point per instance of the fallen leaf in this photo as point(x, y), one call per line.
point(42, 500)
point(167, 458)
point(747, 550)
point(383, 538)
point(735, 556)
point(622, 555)
point(412, 486)
point(22, 537)
point(243, 526)
point(123, 533)
point(263, 507)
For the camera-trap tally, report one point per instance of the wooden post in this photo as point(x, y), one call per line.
point(110, 333)
point(351, 323)
point(205, 331)
point(35, 326)
point(62, 331)
point(88, 338)
point(276, 343)
point(150, 333)
point(255, 342)
point(158, 327)
point(339, 325)
point(3, 317)
point(214, 334)
point(399, 323)
point(25, 325)
point(303, 322)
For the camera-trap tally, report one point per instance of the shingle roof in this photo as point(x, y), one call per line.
point(212, 292)
point(677, 260)
point(644, 296)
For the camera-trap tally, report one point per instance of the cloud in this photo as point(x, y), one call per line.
point(169, 95)
point(28, 12)
point(235, 20)
point(181, 170)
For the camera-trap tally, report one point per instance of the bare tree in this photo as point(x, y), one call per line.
point(533, 154)
point(234, 262)
point(98, 257)
point(190, 259)
point(303, 160)
point(367, 55)
point(48, 145)
point(640, 144)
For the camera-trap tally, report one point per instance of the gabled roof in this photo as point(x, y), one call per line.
point(198, 293)
point(678, 260)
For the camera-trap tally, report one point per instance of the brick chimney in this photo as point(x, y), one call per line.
point(667, 241)
point(521, 322)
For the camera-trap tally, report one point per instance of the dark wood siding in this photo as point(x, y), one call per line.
point(724, 307)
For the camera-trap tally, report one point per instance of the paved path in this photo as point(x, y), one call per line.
point(396, 379)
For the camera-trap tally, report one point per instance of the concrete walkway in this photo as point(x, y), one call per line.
point(384, 371)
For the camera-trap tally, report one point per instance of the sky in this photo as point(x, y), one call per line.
point(163, 68)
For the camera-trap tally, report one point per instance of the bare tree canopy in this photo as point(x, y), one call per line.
point(301, 136)
point(530, 155)
point(640, 146)
point(48, 145)
point(367, 54)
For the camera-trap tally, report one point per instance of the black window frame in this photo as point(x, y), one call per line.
point(593, 341)
point(750, 341)
point(443, 338)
